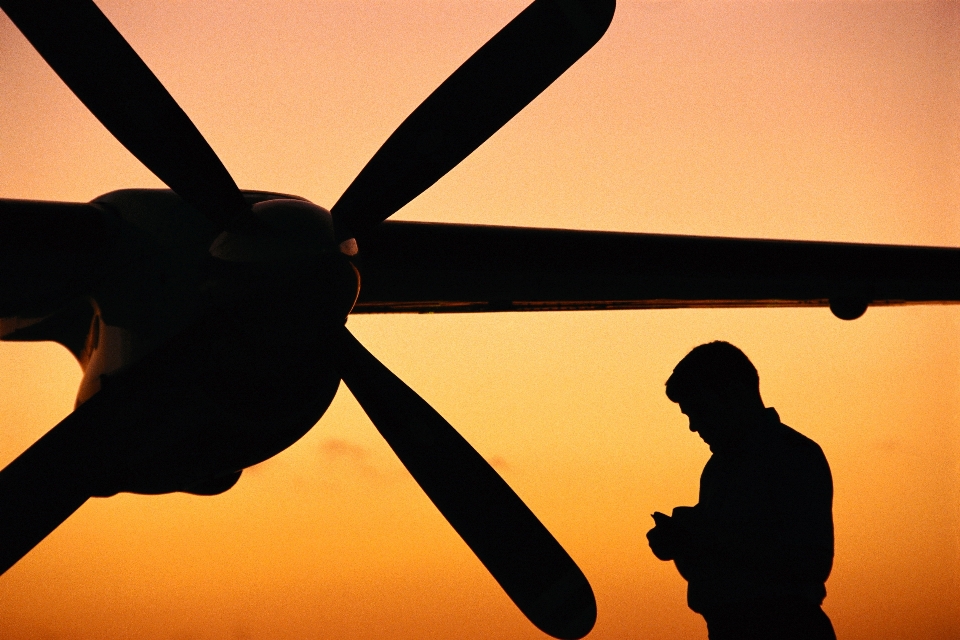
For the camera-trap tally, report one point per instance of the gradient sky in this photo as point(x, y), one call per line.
point(825, 121)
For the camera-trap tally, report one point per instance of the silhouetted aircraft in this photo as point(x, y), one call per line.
point(209, 320)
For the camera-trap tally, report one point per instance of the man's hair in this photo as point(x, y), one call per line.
point(712, 366)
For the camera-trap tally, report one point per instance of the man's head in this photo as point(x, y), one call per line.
point(718, 389)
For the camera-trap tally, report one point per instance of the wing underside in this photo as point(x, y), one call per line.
point(448, 268)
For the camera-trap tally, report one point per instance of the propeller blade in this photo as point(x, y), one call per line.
point(45, 485)
point(527, 561)
point(499, 80)
point(108, 76)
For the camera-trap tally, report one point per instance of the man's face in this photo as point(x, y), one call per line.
point(722, 417)
point(707, 415)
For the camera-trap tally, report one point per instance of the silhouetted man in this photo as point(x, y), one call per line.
point(758, 547)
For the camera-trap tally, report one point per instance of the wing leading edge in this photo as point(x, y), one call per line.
point(411, 267)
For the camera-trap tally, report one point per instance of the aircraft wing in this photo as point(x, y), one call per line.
point(422, 267)
point(51, 226)
point(411, 267)
point(51, 253)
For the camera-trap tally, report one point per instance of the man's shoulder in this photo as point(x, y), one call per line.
point(796, 449)
point(784, 434)
point(793, 438)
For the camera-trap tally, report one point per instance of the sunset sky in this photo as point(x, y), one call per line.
point(810, 120)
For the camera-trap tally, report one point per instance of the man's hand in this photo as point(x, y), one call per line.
point(662, 536)
point(684, 518)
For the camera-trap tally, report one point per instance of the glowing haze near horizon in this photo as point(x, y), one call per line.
point(826, 121)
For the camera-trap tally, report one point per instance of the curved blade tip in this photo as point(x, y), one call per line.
point(567, 609)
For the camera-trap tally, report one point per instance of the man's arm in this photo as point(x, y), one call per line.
point(781, 525)
point(804, 549)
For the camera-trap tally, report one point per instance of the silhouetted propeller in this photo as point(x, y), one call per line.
point(42, 488)
point(108, 76)
point(509, 540)
point(515, 66)
point(499, 80)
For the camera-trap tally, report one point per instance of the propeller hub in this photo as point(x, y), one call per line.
point(283, 230)
point(298, 235)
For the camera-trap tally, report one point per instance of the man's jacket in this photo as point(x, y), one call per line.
point(763, 528)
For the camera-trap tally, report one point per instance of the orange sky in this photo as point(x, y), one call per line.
point(825, 121)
